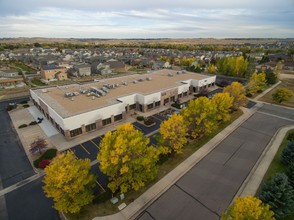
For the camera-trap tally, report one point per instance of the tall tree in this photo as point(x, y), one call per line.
point(211, 69)
point(200, 117)
point(69, 182)
point(257, 82)
point(237, 91)
point(271, 77)
point(248, 208)
point(224, 103)
point(279, 194)
point(126, 158)
point(287, 156)
point(282, 95)
point(173, 133)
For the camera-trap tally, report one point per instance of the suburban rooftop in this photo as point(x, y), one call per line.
point(136, 84)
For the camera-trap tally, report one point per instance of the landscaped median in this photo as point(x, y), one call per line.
point(165, 178)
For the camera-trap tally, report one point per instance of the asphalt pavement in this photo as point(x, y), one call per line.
point(206, 190)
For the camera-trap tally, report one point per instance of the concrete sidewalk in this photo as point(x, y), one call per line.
point(135, 208)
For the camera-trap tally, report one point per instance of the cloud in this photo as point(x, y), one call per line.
point(132, 19)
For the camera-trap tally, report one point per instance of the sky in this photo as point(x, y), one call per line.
point(147, 19)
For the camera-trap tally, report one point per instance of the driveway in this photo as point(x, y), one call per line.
point(206, 190)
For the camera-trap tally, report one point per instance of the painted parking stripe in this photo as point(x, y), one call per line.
point(84, 148)
point(95, 144)
point(73, 153)
point(100, 185)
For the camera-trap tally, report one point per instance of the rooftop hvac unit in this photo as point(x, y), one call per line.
point(135, 81)
point(97, 91)
point(141, 80)
point(44, 90)
point(170, 74)
point(83, 91)
point(105, 89)
point(125, 83)
point(76, 93)
point(149, 78)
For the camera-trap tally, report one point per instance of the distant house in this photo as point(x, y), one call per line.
point(8, 83)
point(116, 66)
point(83, 69)
point(53, 72)
point(9, 73)
point(288, 66)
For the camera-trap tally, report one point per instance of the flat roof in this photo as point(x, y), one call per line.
point(66, 107)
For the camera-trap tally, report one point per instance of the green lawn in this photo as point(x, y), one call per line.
point(277, 167)
point(106, 208)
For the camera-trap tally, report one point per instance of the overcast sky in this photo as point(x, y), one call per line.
point(147, 19)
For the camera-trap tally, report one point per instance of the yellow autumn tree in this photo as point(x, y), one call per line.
point(127, 159)
point(200, 117)
point(69, 182)
point(224, 103)
point(257, 82)
point(238, 92)
point(211, 69)
point(173, 134)
point(248, 208)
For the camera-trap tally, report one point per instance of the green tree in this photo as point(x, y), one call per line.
point(282, 95)
point(173, 133)
point(237, 91)
point(257, 82)
point(271, 77)
point(224, 103)
point(248, 208)
point(287, 156)
point(126, 159)
point(69, 182)
point(290, 173)
point(279, 194)
point(200, 117)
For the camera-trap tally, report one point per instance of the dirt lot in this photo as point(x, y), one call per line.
point(286, 83)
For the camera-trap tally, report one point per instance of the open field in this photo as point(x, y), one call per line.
point(286, 83)
point(186, 41)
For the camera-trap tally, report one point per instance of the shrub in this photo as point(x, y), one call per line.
point(43, 164)
point(26, 106)
point(282, 95)
point(287, 155)
point(140, 118)
point(48, 155)
point(290, 174)
point(33, 123)
point(23, 102)
point(290, 136)
point(149, 121)
point(23, 126)
point(176, 105)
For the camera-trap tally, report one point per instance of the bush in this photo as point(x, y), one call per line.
point(149, 121)
point(26, 106)
point(290, 174)
point(287, 156)
point(23, 102)
point(23, 126)
point(33, 123)
point(176, 105)
point(140, 118)
point(48, 155)
point(43, 164)
point(290, 136)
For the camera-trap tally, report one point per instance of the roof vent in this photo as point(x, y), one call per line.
point(44, 90)
point(125, 83)
point(170, 74)
point(135, 81)
point(148, 78)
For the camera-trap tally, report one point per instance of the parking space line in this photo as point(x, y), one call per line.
point(84, 148)
point(100, 185)
point(73, 153)
point(95, 144)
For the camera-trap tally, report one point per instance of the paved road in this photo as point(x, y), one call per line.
point(207, 189)
point(30, 203)
point(14, 164)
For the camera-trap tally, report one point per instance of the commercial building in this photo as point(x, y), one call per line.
point(76, 109)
